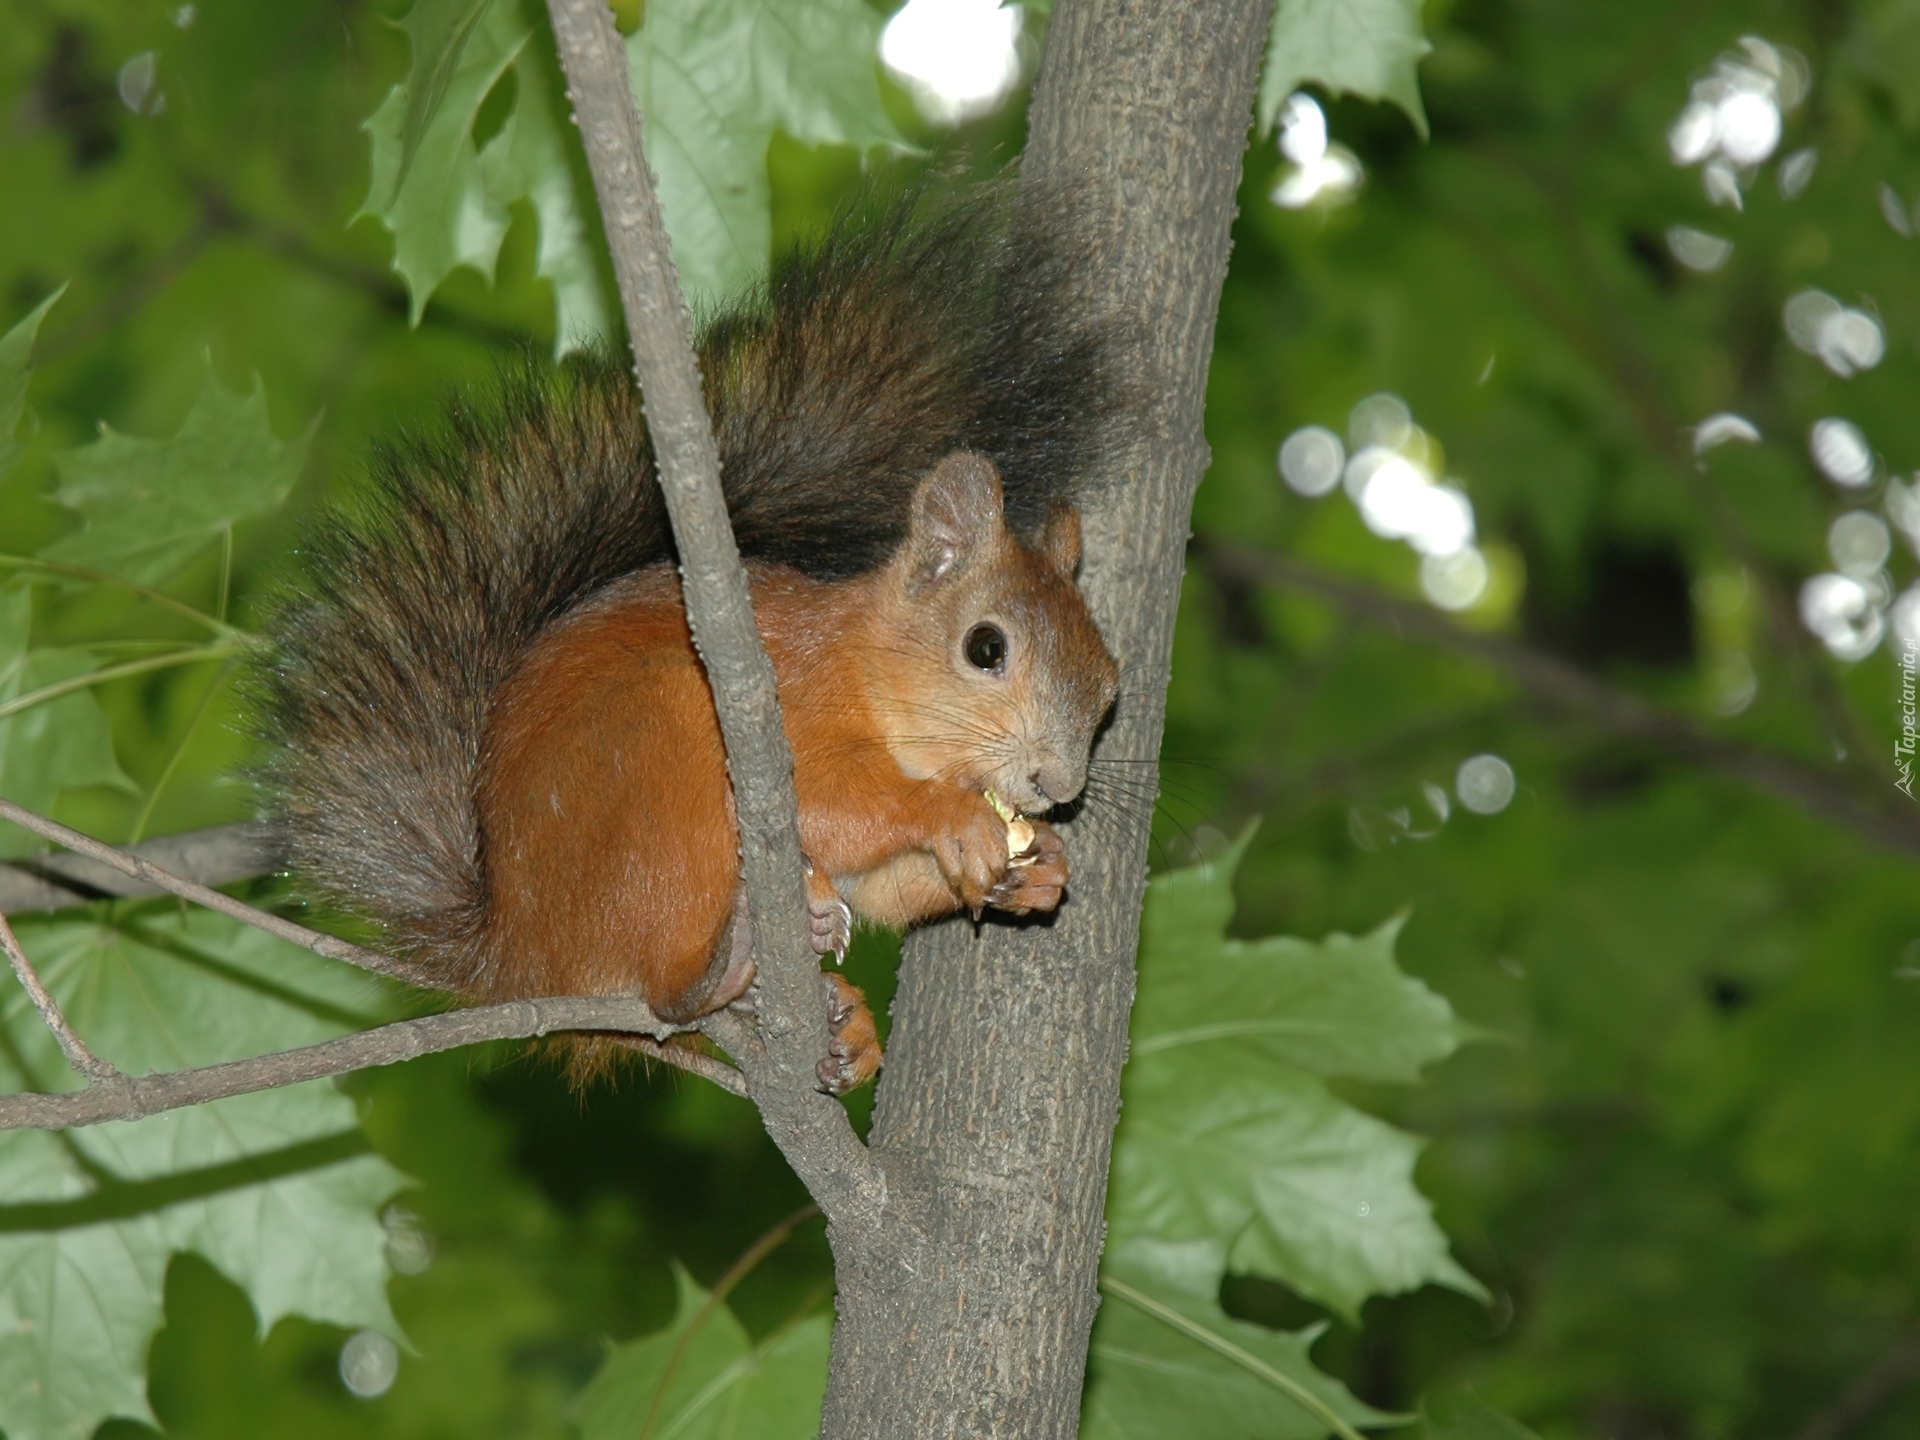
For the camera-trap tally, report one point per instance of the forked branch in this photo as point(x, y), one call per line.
point(113, 1095)
point(331, 946)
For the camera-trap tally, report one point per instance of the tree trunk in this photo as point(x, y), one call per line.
point(969, 1316)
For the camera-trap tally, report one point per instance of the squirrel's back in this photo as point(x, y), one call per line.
point(914, 329)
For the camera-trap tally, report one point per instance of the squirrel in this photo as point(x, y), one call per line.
point(487, 726)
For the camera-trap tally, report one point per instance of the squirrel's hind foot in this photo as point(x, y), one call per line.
point(853, 1052)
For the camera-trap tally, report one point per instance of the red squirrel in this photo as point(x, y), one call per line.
point(490, 731)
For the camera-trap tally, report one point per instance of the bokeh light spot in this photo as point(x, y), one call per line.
point(1841, 611)
point(1841, 451)
point(1484, 784)
point(369, 1362)
point(1697, 250)
point(1456, 581)
point(1322, 170)
point(1719, 429)
point(1859, 543)
point(1312, 460)
point(958, 58)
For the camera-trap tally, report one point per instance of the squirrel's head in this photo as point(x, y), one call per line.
point(991, 672)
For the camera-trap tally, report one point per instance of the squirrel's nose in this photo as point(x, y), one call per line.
point(1059, 782)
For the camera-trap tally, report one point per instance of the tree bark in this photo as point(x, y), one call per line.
point(994, 1119)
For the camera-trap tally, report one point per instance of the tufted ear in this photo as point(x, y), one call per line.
point(956, 516)
point(1060, 540)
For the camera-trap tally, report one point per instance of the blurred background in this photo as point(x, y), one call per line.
point(1552, 582)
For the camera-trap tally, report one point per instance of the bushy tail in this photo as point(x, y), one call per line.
point(914, 329)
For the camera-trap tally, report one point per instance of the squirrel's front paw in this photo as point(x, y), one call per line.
point(1037, 877)
point(853, 1051)
point(974, 858)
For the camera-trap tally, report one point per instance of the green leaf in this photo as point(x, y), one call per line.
point(151, 505)
point(446, 201)
point(1227, 1138)
point(438, 31)
point(1307, 1189)
point(1369, 48)
point(52, 747)
point(436, 200)
point(714, 79)
point(438, 205)
point(1340, 1007)
point(702, 1379)
point(1196, 1371)
point(276, 1189)
point(16, 368)
point(529, 160)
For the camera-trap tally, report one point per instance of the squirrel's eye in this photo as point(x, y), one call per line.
point(986, 647)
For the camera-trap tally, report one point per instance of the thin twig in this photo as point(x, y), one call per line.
point(1570, 688)
point(58, 688)
point(83, 1060)
point(736, 1272)
point(812, 1130)
point(1896, 1368)
point(103, 577)
point(127, 1097)
point(331, 946)
point(218, 855)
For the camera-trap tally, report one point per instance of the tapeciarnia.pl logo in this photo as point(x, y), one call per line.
point(1904, 746)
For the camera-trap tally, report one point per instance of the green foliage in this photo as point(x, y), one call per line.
point(1232, 1154)
point(445, 193)
point(151, 505)
point(1167, 1360)
point(53, 745)
point(1467, 1418)
point(276, 1189)
point(16, 369)
point(1369, 48)
point(703, 1377)
point(1687, 1173)
point(714, 79)
point(1229, 1134)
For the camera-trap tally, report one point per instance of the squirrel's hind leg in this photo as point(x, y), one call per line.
point(729, 973)
point(853, 1046)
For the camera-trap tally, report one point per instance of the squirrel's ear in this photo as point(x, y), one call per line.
point(956, 515)
point(1060, 540)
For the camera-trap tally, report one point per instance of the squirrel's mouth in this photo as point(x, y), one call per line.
point(1017, 807)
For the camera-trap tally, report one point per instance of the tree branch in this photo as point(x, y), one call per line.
point(1897, 1367)
point(216, 856)
point(1568, 687)
point(125, 1097)
point(811, 1129)
point(331, 946)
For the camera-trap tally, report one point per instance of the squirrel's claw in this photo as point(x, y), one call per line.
point(831, 922)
